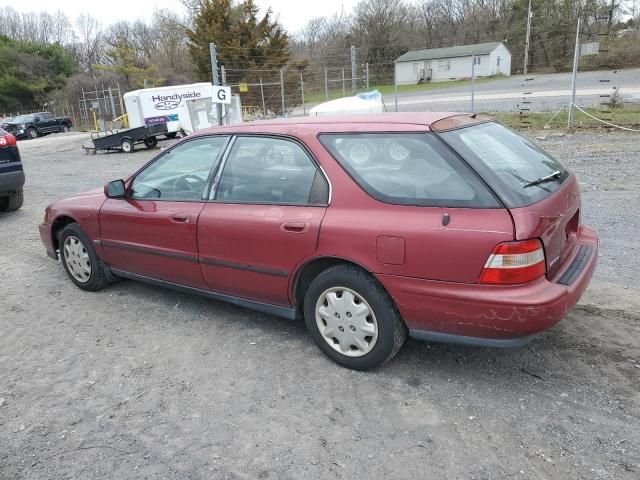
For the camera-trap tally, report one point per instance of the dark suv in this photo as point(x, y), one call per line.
point(11, 173)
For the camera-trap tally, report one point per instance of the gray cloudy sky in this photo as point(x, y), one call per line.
point(293, 14)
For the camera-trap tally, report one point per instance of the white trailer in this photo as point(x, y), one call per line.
point(160, 105)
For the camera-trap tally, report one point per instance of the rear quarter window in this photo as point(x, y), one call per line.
point(408, 169)
point(507, 161)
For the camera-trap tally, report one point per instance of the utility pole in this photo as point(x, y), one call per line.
point(576, 56)
point(473, 74)
point(353, 70)
point(528, 39)
point(367, 73)
point(215, 79)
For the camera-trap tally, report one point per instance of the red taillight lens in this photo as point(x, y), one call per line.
point(514, 262)
point(7, 140)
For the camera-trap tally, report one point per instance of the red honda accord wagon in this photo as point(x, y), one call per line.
point(441, 226)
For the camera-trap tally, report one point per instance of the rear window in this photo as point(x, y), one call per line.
point(508, 162)
point(408, 169)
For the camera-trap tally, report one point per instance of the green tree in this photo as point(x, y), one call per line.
point(123, 61)
point(30, 72)
point(243, 39)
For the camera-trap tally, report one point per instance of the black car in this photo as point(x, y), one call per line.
point(36, 124)
point(11, 173)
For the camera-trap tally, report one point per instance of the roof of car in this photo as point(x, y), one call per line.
point(339, 123)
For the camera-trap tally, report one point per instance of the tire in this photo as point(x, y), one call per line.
point(12, 202)
point(64, 129)
point(127, 145)
point(171, 135)
point(150, 142)
point(75, 250)
point(380, 333)
point(32, 133)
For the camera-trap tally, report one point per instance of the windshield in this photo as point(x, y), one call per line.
point(23, 119)
point(519, 171)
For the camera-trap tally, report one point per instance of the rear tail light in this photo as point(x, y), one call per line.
point(514, 262)
point(7, 140)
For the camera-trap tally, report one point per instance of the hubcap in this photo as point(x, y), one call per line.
point(77, 259)
point(398, 152)
point(359, 154)
point(346, 322)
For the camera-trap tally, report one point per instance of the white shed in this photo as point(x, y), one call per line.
point(453, 63)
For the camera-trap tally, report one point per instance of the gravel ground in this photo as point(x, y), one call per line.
point(140, 382)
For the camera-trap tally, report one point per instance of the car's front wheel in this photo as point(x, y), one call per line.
point(80, 260)
point(32, 133)
point(352, 319)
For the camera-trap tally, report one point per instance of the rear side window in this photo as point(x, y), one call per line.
point(508, 162)
point(271, 170)
point(408, 169)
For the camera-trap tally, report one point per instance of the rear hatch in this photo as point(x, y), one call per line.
point(542, 196)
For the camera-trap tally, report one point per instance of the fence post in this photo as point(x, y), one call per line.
point(343, 85)
point(353, 70)
point(304, 111)
point(282, 90)
point(326, 84)
point(576, 56)
point(395, 85)
point(264, 108)
point(223, 77)
point(215, 79)
point(367, 73)
point(473, 74)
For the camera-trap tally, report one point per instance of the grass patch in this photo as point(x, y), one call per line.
point(387, 89)
point(628, 116)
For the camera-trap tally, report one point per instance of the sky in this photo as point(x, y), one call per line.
point(293, 14)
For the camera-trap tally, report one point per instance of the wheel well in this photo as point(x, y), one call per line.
point(311, 270)
point(58, 224)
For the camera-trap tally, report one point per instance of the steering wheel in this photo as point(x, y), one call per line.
point(189, 184)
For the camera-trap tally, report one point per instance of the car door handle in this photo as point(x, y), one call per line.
point(180, 218)
point(295, 227)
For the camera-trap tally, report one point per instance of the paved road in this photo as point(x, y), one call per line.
point(545, 92)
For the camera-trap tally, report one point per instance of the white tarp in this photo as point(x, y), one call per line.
point(368, 102)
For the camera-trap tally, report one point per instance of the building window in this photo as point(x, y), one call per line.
point(477, 60)
point(498, 61)
point(444, 65)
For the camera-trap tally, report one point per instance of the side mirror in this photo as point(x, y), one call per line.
point(115, 189)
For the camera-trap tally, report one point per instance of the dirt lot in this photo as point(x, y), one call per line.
point(140, 382)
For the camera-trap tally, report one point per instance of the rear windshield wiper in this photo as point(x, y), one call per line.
point(548, 178)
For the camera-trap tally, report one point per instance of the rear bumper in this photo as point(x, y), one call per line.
point(493, 315)
point(47, 239)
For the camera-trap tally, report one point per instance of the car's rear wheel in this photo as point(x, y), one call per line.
point(12, 202)
point(80, 260)
point(352, 319)
point(64, 128)
point(127, 145)
point(32, 133)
